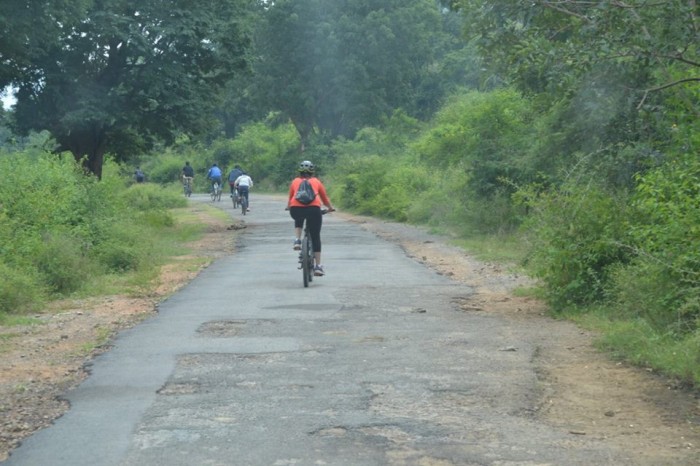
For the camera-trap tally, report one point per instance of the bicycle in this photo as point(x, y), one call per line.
point(306, 255)
point(235, 198)
point(244, 204)
point(216, 192)
point(187, 185)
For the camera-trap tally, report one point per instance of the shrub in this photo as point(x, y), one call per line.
point(577, 237)
point(63, 263)
point(662, 285)
point(19, 291)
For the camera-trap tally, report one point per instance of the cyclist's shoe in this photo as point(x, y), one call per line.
point(318, 271)
point(297, 244)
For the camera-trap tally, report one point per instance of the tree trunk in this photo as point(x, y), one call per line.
point(88, 148)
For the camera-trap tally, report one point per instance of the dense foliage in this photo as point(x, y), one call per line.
point(60, 230)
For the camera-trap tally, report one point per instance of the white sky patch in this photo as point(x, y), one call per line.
point(8, 97)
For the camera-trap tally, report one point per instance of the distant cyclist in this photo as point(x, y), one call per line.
point(233, 176)
point(139, 175)
point(243, 184)
point(310, 212)
point(214, 174)
point(187, 178)
point(187, 173)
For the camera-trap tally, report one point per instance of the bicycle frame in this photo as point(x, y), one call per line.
point(306, 255)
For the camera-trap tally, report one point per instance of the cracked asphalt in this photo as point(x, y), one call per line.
point(373, 364)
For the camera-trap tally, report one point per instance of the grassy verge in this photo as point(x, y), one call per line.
point(170, 245)
point(628, 339)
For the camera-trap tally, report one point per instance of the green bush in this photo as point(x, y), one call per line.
point(665, 236)
point(63, 264)
point(577, 238)
point(484, 134)
point(649, 290)
point(61, 230)
point(19, 291)
point(124, 248)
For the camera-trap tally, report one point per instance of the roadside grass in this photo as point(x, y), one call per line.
point(627, 339)
point(14, 320)
point(636, 342)
point(502, 248)
point(168, 243)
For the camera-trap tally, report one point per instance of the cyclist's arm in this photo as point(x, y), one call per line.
point(324, 197)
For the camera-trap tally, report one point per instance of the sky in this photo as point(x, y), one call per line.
point(8, 98)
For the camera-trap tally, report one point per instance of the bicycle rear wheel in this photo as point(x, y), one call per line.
point(307, 260)
point(244, 205)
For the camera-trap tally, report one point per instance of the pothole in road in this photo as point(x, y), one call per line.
point(221, 328)
point(171, 389)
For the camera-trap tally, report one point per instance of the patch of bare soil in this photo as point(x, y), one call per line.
point(40, 362)
point(583, 391)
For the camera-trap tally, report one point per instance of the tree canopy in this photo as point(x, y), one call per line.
point(545, 44)
point(337, 66)
point(126, 75)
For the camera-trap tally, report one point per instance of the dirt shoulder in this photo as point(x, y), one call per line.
point(582, 391)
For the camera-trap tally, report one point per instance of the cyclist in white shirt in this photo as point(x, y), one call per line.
point(243, 183)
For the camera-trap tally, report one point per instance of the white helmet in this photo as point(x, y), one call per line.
point(306, 167)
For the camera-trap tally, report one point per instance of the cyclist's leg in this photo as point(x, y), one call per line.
point(315, 221)
point(297, 213)
point(244, 193)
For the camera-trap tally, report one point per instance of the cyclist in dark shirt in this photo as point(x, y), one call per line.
point(187, 170)
point(139, 175)
point(233, 176)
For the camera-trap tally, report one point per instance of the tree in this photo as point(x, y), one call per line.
point(128, 75)
point(339, 65)
point(547, 45)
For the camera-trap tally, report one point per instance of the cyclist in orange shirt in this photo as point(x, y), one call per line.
point(310, 212)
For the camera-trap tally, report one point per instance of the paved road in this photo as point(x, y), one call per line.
point(371, 365)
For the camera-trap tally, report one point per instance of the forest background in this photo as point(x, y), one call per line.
point(562, 135)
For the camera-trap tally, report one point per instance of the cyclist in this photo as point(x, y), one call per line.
point(139, 175)
point(187, 174)
point(243, 184)
point(233, 176)
point(309, 212)
point(214, 174)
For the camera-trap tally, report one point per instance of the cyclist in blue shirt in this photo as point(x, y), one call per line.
point(214, 174)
